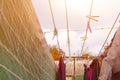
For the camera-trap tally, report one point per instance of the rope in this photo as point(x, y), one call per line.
point(87, 26)
point(52, 14)
point(109, 33)
point(67, 28)
point(55, 29)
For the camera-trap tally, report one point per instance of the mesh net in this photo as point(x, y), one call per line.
point(24, 54)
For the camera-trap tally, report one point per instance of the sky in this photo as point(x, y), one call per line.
point(77, 10)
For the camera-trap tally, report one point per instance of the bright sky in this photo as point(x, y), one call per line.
point(77, 12)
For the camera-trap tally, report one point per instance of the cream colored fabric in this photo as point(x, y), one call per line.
point(112, 61)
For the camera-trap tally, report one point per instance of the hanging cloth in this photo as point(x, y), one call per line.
point(62, 70)
point(95, 69)
point(90, 73)
point(85, 72)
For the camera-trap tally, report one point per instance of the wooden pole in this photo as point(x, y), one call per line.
point(74, 68)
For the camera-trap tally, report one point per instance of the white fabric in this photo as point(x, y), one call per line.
point(112, 61)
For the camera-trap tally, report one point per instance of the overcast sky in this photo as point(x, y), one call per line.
point(77, 12)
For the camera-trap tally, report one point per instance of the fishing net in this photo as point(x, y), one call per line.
point(24, 54)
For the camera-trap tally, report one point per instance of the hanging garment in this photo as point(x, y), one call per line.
point(111, 63)
point(61, 71)
point(116, 76)
point(85, 72)
point(95, 69)
point(90, 73)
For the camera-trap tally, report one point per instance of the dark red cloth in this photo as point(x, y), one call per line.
point(61, 71)
point(90, 73)
point(95, 69)
point(85, 72)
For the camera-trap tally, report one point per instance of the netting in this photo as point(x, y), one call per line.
point(24, 54)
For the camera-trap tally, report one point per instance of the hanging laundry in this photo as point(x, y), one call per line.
point(85, 72)
point(90, 73)
point(95, 69)
point(116, 76)
point(61, 71)
point(110, 68)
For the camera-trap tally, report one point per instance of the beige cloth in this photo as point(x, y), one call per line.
point(111, 63)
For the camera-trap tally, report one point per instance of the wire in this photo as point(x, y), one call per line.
point(52, 14)
point(55, 29)
point(67, 28)
point(87, 26)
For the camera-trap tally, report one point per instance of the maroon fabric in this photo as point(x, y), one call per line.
point(95, 69)
point(90, 73)
point(61, 71)
point(85, 72)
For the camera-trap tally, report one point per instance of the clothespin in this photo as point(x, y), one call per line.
point(55, 32)
point(94, 18)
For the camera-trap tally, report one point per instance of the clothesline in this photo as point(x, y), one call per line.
point(75, 30)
